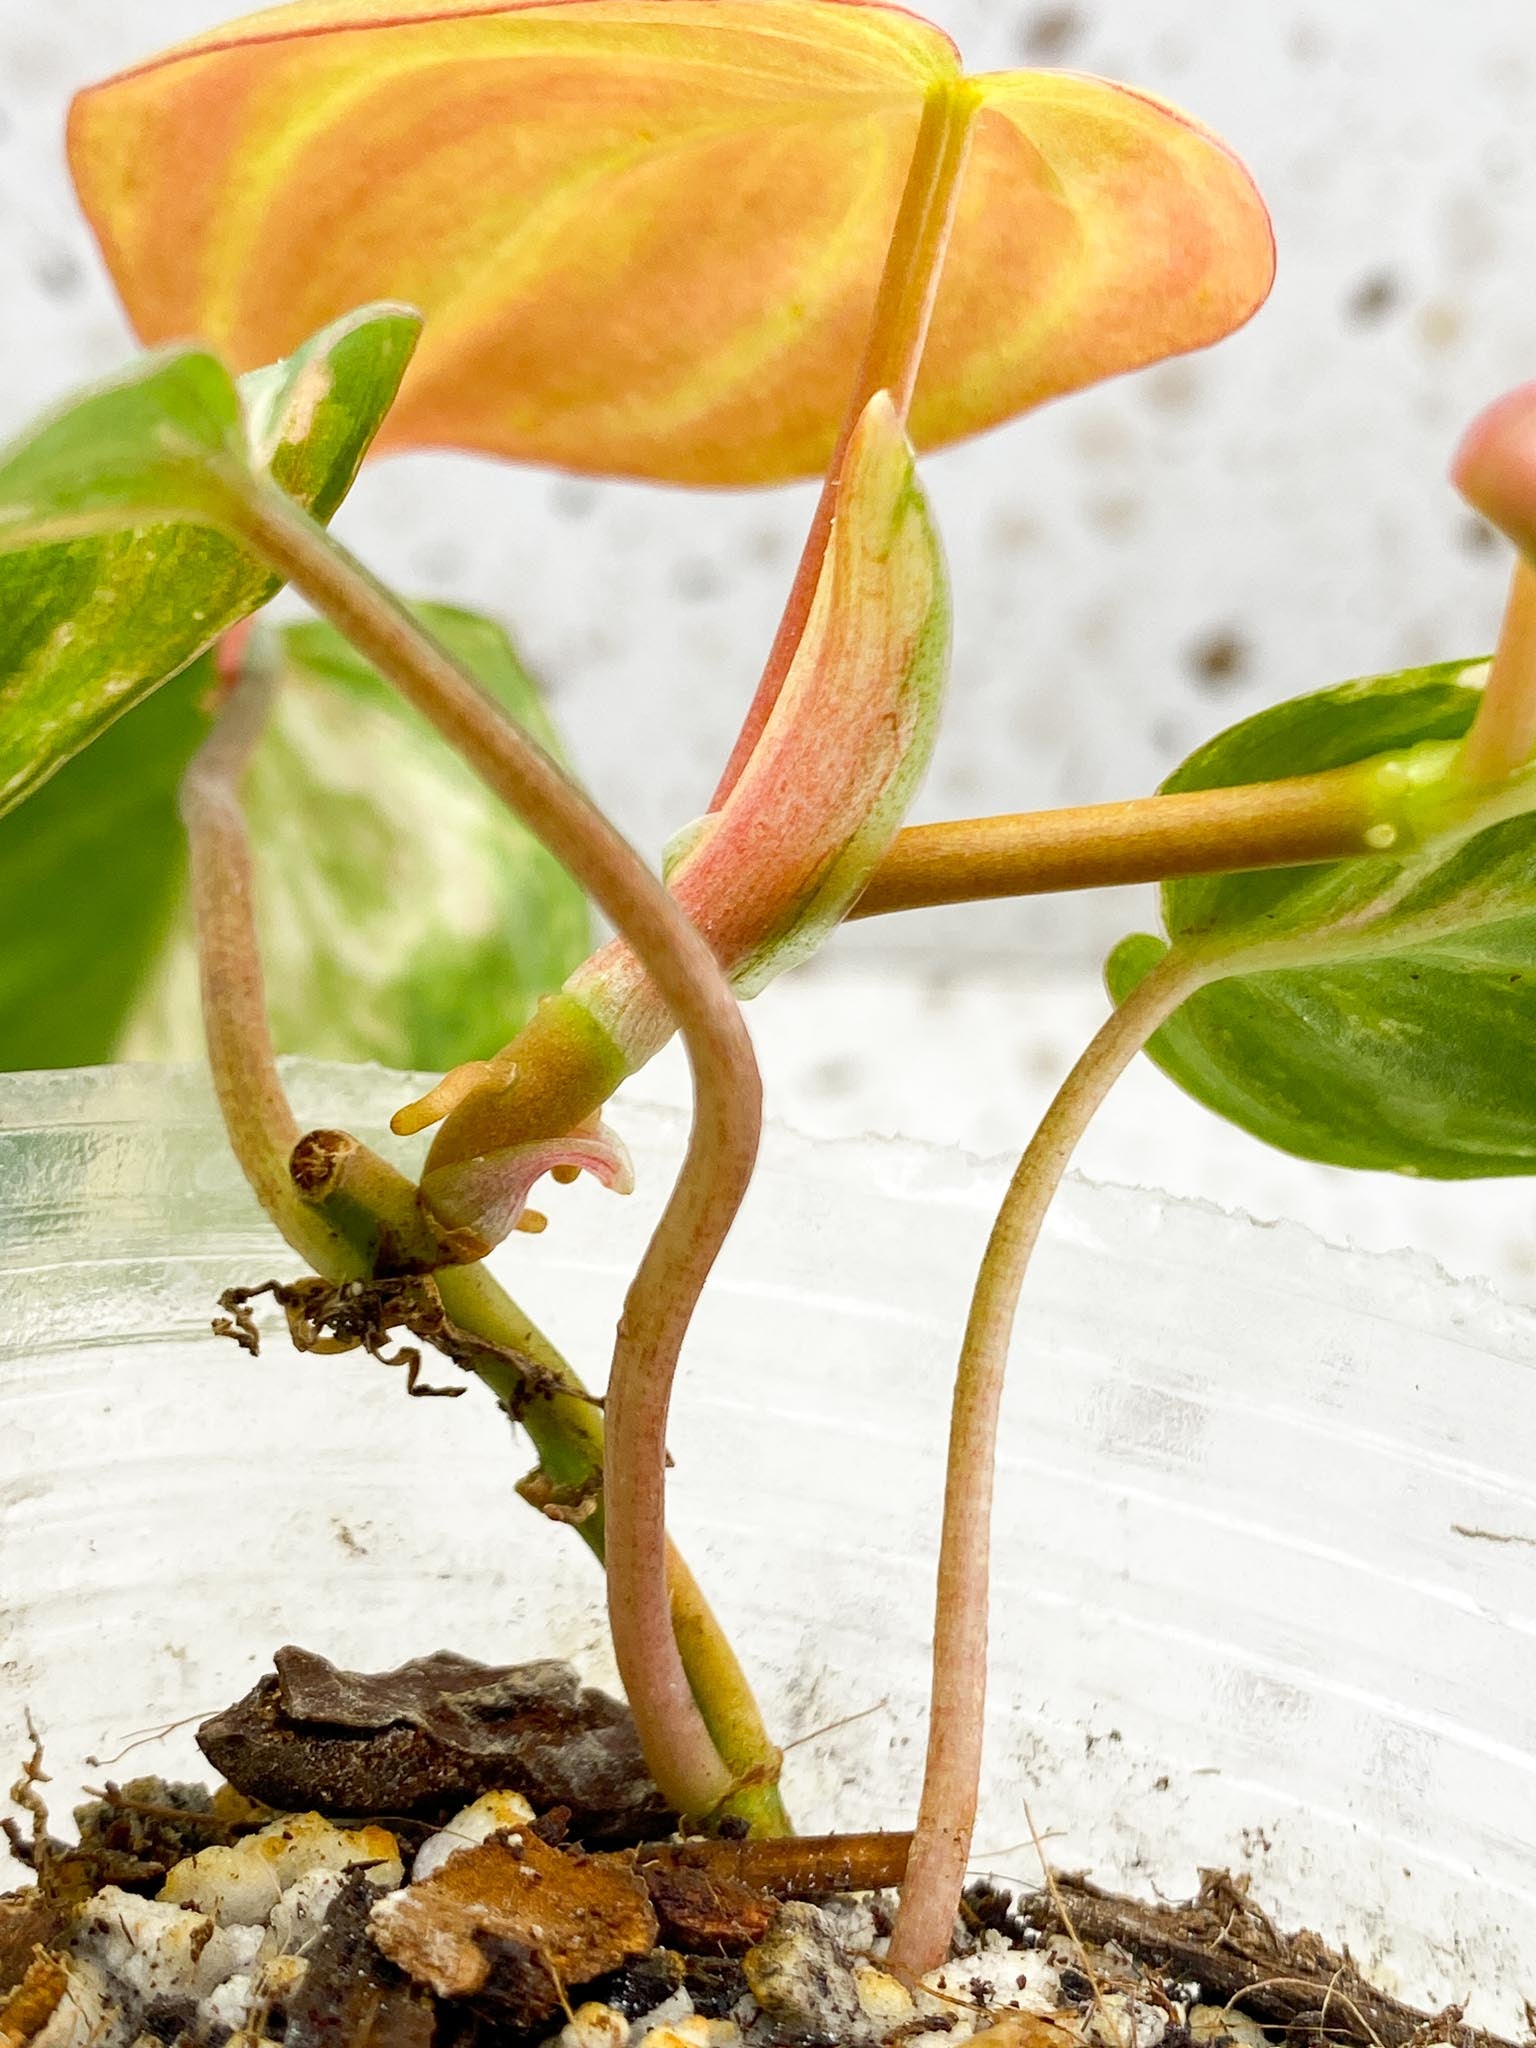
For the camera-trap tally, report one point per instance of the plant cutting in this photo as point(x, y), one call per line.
point(326, 200)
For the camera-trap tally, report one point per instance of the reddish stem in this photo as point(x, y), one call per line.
point(1503, 735)
point(941, 1841)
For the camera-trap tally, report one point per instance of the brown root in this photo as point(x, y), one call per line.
point(324, 1319)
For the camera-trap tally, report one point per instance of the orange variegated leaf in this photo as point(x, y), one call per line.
point(1098, 230)
point(647, 233)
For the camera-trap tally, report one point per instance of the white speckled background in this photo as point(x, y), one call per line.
point(1133, 567)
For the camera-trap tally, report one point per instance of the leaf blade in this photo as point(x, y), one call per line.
point(726, 171)
point(1407, 1051)
point(89, 626)
point(90, 876)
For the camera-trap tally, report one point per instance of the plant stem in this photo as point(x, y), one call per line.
point(722, 1144)
point(808, 1866)
point(567, 1432)
point(261, 1125)
point(1287, 823)
point(941, 1841)
point(565, 1427)
point(729, 1707)
point(893, 354)
point(1503, 735)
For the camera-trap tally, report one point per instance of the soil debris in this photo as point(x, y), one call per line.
point(29, 1920)
point(128, 1835)
point(132, 1834)
point(641, 1986)
point(33, 2002)
point(429, 1737)
point(803, 1979)
point(716, 1985)
point(523, 1928)
point(514, 1923)
point(1227, 1944)
point(704, 1913)
point(349, 1993)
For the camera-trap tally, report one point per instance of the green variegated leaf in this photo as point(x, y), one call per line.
point(146, 444)
point(1372, 1013)
point(107, 583)
point(405, 915)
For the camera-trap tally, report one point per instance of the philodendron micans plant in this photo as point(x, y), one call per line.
point(707, 242)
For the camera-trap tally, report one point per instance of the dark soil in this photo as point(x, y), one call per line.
point(593, 1901)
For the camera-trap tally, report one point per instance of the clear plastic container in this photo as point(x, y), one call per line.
point(1265, 1588)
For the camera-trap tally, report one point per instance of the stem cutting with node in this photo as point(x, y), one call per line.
point(722, 1144)
point(547, 1398)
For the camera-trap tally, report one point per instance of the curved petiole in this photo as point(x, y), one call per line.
point(252, 1100)
point(941, 1841)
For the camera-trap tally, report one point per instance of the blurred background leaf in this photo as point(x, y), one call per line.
point(91, 871)
point(406, 916)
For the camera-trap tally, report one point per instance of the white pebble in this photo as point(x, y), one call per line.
point(488, 1816)
point(1121, 2021)
point(1011, 1979)
point(146, 1949)
point(668, 2014)
point(885, 1999)
point(228, 2006)
point(300, 1913)
point(231, 1952)
point(696, 2032)
point(594, 2025)
point(240, 1885)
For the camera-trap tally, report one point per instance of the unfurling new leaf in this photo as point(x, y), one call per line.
point(771, 873)
point(774, 870)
